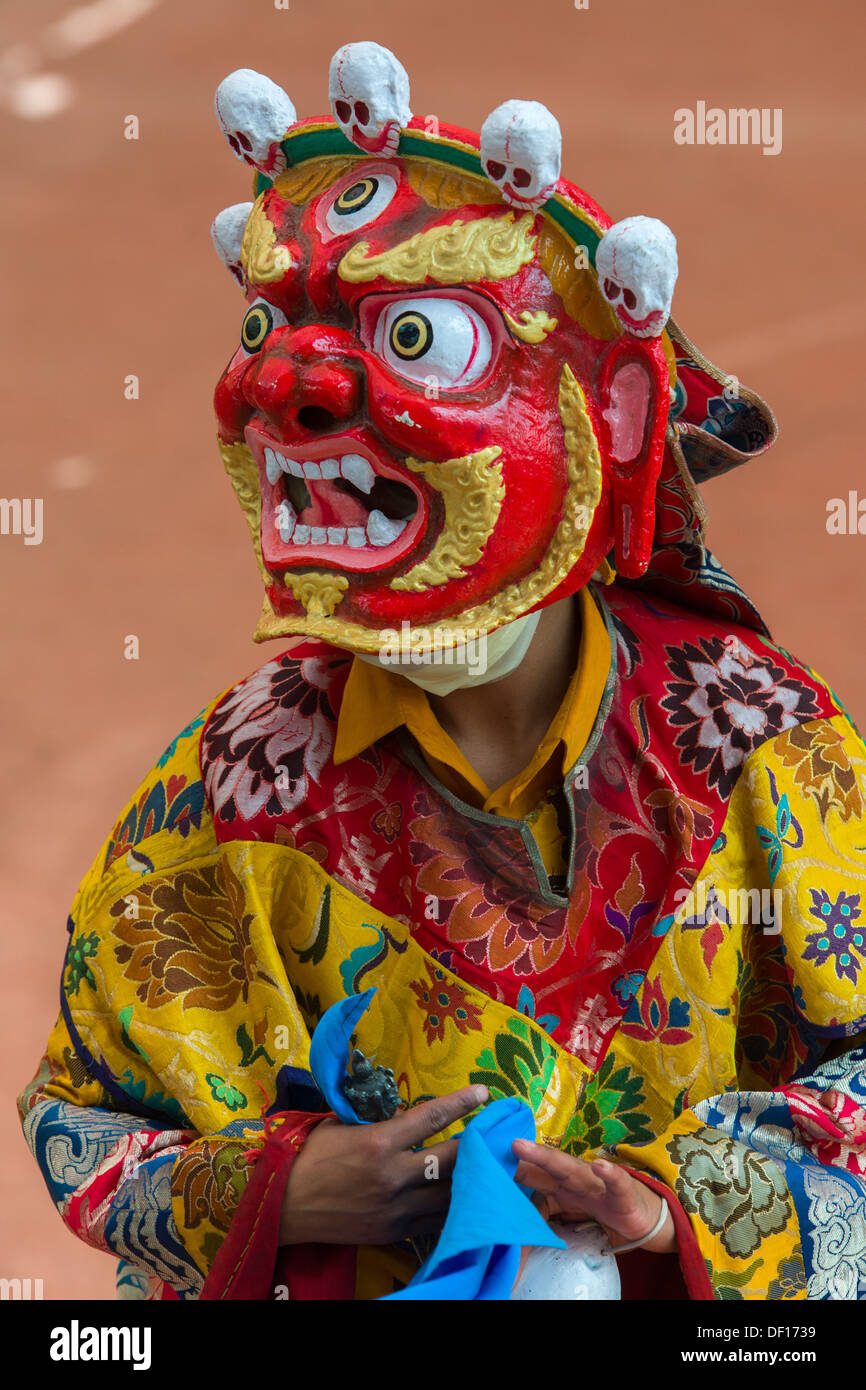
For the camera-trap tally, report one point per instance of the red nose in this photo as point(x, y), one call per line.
point(305, 381)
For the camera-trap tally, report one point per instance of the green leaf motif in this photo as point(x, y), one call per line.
point(223, 1091)
point(609, 1111)
point(248, 1052)
point(521, 1063)
point(80, 950)
point(727, 1284)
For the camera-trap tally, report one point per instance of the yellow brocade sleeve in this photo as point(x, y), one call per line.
point(771, 1170)
point(145, 1115)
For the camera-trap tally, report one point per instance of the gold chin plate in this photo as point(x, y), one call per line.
point(318, 592)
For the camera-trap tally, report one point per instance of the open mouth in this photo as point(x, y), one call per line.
point(333, 500)
point(637, 324)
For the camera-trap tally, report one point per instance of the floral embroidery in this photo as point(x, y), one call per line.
point(467, 868)
point(526, 1005)
point(788, 832)
point(839, 935)
point(711, 921)
point(221, 1090)
point(822, 770)
point(270, 737)
point(739, 1195)
point(443, 999)
point(210, 1179)
point(684, 818)
point(172, 803)
point(836, 1222)
point(630, 907)
point(189, 939)
point(190, 729)
point(521, 1063)
point(651, 1015)
point(726, 701)
point(609, 1112)
point(314, 848)
point(790, 1280)
point(80, 950)
point(387, 822)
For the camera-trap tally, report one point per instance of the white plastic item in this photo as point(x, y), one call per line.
point(586, 1270)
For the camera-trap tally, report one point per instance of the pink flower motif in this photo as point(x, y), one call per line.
point(831, 1125)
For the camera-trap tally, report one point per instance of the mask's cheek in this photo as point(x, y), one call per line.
point(510, 505)
point(232, 408)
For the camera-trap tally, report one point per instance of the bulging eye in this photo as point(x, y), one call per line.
point(360, 202)
point(411, 335)
point(433, 337)
point(260, 320)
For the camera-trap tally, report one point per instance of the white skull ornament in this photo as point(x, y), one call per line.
point(254, 115)
point(227, 231)
point(369, 94)
point(521, 151)
point(637, 268)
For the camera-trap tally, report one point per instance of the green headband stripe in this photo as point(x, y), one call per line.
point(314, 144)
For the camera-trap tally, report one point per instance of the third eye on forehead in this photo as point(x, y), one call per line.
point(360, 201)
point(359, 195)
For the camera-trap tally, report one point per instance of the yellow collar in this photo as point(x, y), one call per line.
point(376, 701)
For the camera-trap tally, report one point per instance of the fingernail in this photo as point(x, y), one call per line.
point(480, 1094)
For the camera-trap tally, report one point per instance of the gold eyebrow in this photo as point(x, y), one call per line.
point(487, 248)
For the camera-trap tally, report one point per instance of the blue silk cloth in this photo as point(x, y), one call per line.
point(490, 1216)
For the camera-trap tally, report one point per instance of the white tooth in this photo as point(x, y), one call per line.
point(330, 468)
point(382, 531)
point(318, 536)
point(272, 465)
point(290, 466)
point(301, 536)
point(336, 535)
point(358, 471)
point(286, 519)
point(356, 536)
point(312, 470)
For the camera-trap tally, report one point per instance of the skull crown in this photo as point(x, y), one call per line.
point(520, 153)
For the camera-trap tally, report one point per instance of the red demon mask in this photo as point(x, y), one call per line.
point(449, 402)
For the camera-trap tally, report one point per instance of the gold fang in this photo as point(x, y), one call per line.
point(534, 325)
point(318, 593)
point(489, 248)
point(473, 492)
point(263, 261)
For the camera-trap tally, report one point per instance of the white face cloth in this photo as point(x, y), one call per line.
point(479, 661)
